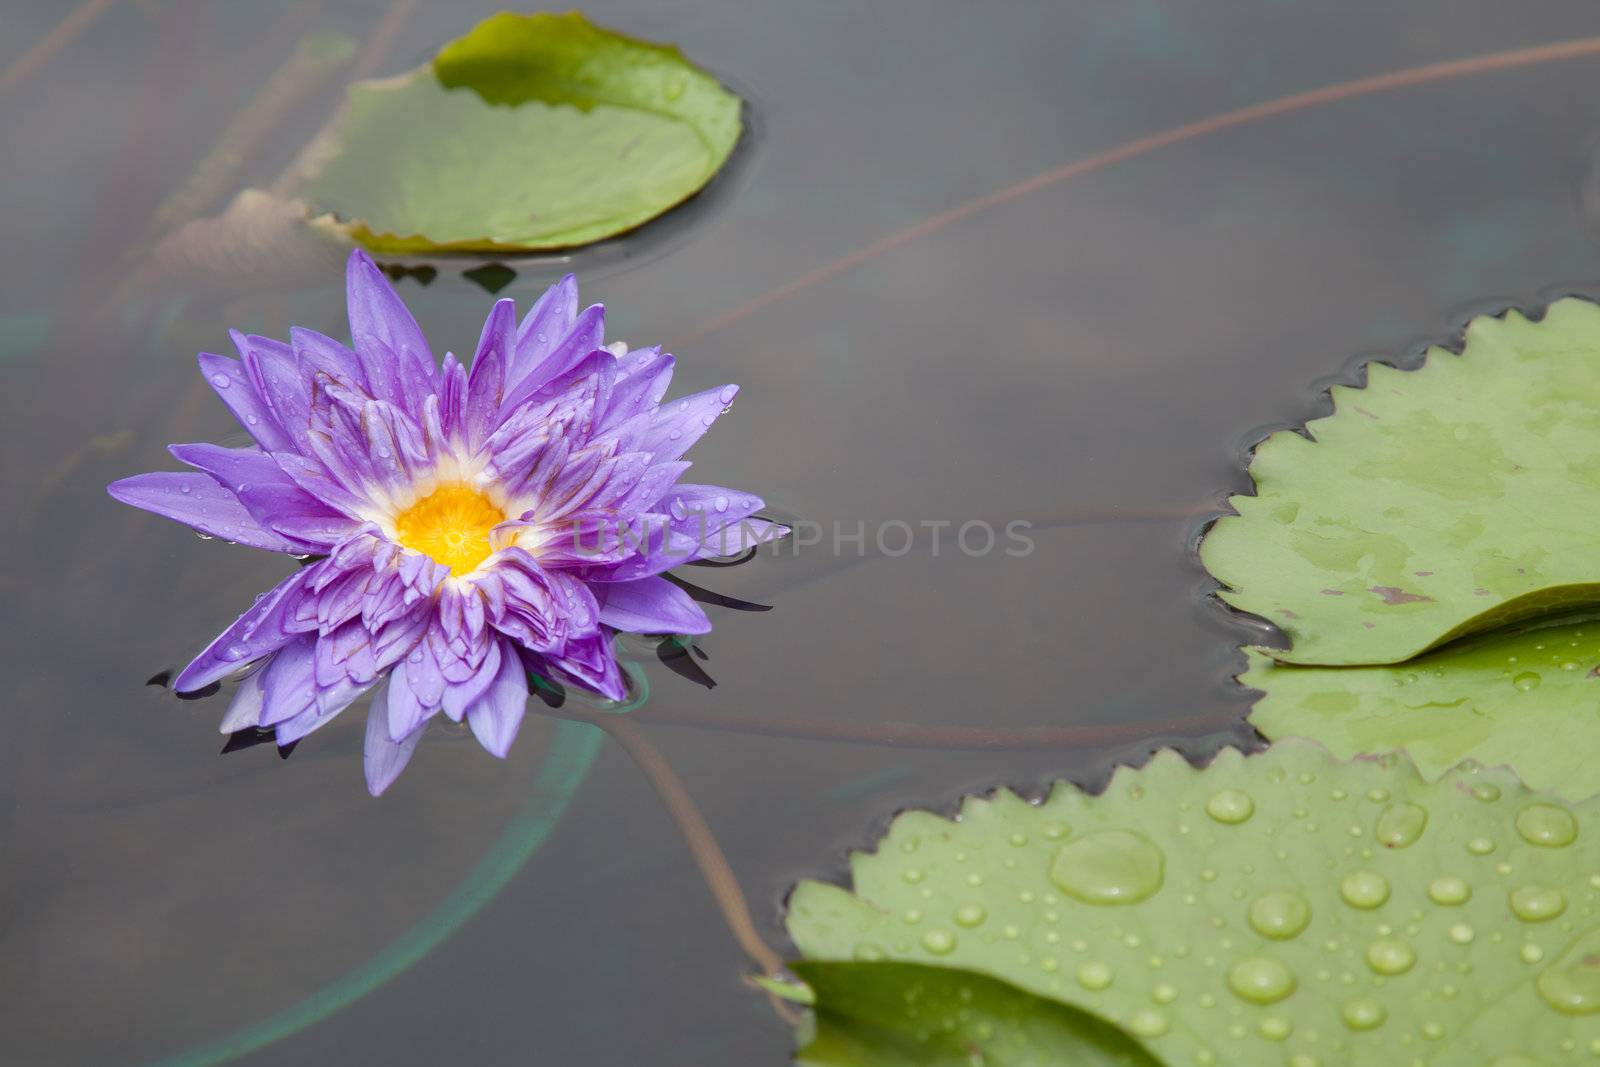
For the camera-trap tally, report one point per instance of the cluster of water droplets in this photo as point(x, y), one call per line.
point(1398, 932)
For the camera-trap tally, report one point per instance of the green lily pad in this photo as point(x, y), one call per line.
point(1281, 908)
point(911, 1015)
point(1433, 504)
point(1528, 699)
point(532, 132)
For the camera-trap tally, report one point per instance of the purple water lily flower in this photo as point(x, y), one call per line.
point(475, 526)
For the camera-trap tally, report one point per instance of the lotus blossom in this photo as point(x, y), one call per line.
point(467, 527)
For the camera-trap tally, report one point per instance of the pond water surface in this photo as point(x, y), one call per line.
point(1093, 357)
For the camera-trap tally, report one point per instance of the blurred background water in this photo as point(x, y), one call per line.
point(1095, 357)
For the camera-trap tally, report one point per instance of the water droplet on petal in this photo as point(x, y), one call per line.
point(728, 393)
point(221, 381)
point(1112, 867)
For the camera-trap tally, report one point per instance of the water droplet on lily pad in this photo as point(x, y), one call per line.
point(1260, 980)
point(1571, 984)
point(1279, 916)
point(1230, 807)
point(1112, 867)
point(1401, 825)
point(1449, 891)
point(1148, 1022)
point(1390, 957)
point(1364, 889)
point(1547, 825)
point(939, 942)
point(1363, 1014)
point(1537, 904)
point(1095, 975)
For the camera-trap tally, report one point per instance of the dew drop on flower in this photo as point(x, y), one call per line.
point(221, 381)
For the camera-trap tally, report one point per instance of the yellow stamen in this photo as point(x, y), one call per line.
point(451, 526)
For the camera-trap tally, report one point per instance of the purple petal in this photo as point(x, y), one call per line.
point(682, 422)
point(486, 385)
point(287, 682)
point(270, 496)
point(318, 353)
point(403, 710)
point(459, 696)
point(383, 757)
point(586, 336)
point(266, 627)
point(546, 325)
point(394, 353)
point(650, 606)
point(244, 711)
point(198, 501)
point(497, 714)
point(643, 376)
point(329, 703)
point(589, 663)
point(232, 383)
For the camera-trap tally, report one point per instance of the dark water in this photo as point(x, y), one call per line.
point(1093, 357)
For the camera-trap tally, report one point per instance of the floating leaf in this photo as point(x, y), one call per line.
point(1434, 503)
point(1529, 699)
point(909, 1015)
point(1268, 907)
point(531, 132)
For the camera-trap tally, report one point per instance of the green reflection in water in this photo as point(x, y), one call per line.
point(572, 753)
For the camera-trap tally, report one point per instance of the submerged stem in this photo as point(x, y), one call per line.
point(697, 835)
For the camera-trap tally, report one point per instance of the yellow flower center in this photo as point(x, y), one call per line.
point(450, 526)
